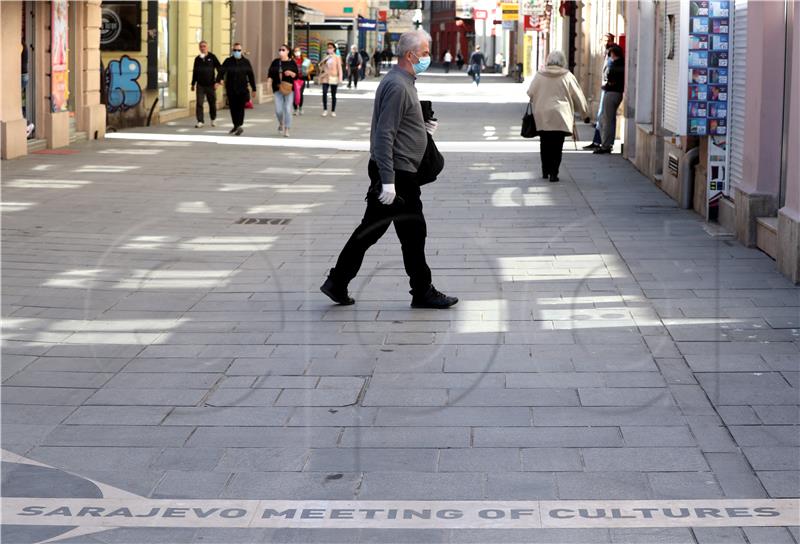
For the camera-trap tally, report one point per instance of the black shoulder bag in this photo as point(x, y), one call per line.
point(528, 124)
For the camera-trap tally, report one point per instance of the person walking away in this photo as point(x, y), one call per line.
point(613, 87)
point(448, 59)
point(376, 61)
point(204, 80)
point(282, 74)
point(459, 61)
point(364, 63)
point(303, 73)
point(476, 62)
point(398, 141)
point(388, 56)
point(237, 72)
point(353, 67)
point(330, 75)
point(555, 95)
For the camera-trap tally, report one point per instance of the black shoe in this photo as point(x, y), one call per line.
point(591, 146)
point(336, 293)
point(231, 131)
point(553, 178)
point(239, 131)
point(433, 299)
point(602, 151)
point(545, 175)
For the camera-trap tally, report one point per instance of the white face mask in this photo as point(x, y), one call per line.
point(203, 55)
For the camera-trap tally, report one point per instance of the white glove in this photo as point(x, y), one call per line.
point(387, 194)
point(431, 127)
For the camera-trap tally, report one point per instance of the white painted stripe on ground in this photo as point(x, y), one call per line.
point(402, 514)
point(477, 146)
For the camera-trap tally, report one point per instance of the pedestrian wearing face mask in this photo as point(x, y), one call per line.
point(281, 75)
point(237, 73)
point(303, 73)
point(330, 76)
point(398, 140)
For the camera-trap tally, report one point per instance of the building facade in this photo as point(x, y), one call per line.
point(752, 189)
point(51, 77)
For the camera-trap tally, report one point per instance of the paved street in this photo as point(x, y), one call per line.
point(164, 334)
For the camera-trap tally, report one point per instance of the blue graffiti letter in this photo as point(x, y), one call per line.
point(123, 88)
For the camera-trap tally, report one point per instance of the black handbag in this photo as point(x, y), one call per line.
point(528, 124)
point(431, 165)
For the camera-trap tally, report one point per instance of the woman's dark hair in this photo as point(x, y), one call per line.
point(617, 51)
point(331, 44)
point(285, 46)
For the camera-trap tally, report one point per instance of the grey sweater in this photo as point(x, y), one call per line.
point(398, 138)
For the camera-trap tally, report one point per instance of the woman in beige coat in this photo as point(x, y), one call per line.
point(555, 95)
point(330, 74)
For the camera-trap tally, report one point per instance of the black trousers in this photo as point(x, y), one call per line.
point(205, 93)
point(409, 223)
point(325, 88)
point(551, 146)
point(352, 77)
point(236, 103)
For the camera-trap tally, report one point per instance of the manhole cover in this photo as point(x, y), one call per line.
point(263, 221)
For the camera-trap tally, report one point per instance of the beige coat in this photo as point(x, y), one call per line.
point(555, 95)
point(325, 74)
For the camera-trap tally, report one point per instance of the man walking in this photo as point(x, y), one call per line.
point(476, 62)
point(353, 67)
point(398, 141)
point(204, 79)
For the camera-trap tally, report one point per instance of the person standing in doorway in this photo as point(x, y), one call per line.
point(609, 37)
point(281, 76)
point(555, 94)
point(613, 87)
point(237, 72)
point(499, 60)
point(448, 60)
point(303, 73)
point(477, 61)
point(204, 80)
point(398, 140)
point(459, 61)
point(330, 75)
point(376, 61)
point(353, 67)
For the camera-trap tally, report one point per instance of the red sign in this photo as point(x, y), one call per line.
point(480, 14)
point(382, 15)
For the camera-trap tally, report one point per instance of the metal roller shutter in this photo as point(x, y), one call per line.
point(670, 91)
point(737, 87)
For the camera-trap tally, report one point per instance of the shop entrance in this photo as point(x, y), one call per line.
point(28, 62)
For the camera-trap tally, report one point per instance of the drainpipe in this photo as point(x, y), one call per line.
point(686, 176)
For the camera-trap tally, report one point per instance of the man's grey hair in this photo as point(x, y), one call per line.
point(411, 41)
point(556, 58)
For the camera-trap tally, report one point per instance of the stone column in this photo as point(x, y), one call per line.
point(757, 195)
point(13, 141)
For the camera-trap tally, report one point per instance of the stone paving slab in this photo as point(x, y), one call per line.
point(154, 344)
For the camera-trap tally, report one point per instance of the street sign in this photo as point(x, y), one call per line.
point(509, 25)
point(348, 10)
point(367, 24)
point(479, 14)
point(510, 11)
point(382, 26)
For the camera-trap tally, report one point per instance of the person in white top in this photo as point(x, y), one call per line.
point(499, 59)
point(448, 58)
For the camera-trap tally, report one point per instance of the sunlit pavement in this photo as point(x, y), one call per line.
point(164, 338)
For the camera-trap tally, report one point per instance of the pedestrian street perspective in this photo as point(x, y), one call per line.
point(400, 272)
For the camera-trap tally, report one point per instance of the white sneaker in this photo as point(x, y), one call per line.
point(333, 114)
point(324, 113)
point(29, 129)
point(286, 133)
point(213, 123)
point(199, 125)
point(300, 111)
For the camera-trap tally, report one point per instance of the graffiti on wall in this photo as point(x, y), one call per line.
point(122, 77)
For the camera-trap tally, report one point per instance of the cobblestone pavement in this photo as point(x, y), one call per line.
point(607, 344)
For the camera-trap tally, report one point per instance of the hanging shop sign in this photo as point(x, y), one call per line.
point(708, 80)
point(510, 11)
point(367, 24)
point(120, 26)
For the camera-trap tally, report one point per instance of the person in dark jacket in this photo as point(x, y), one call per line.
point(476, 62)
point(204, 79)
point(377, 56)
point(613, 87)
point(596, 139)
point(353, 67)
point(237, 73)
point(364, 63)
point(398, 140)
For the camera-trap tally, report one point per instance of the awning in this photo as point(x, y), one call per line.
point(305, 15)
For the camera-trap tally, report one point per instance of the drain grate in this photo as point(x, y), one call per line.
point(263, 221)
